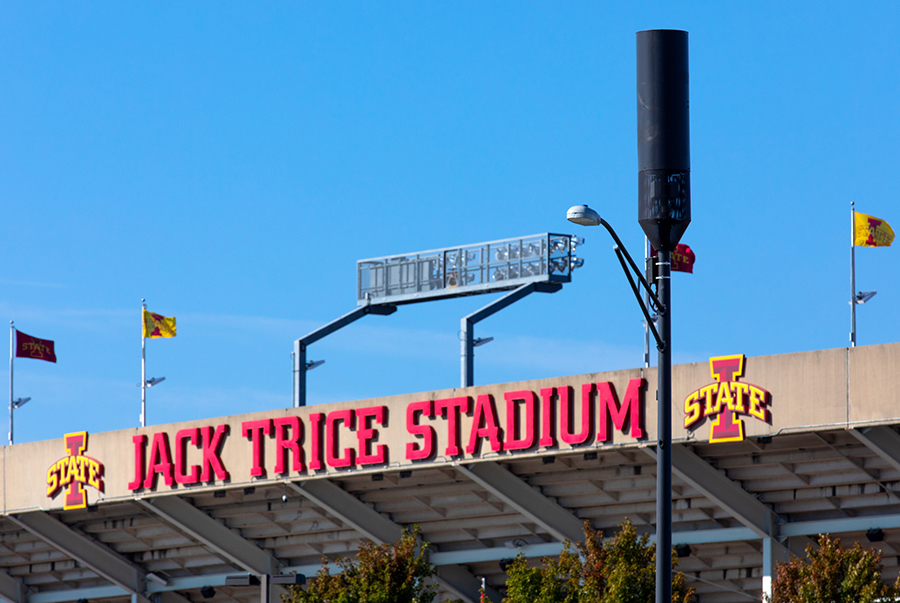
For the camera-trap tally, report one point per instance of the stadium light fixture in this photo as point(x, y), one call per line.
point(450, 272)
point(518, 266)
point(864, 296)
point(13, 404)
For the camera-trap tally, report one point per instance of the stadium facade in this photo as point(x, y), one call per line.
point(769, 452)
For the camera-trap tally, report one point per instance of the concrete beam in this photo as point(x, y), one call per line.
point(450, 558)
point(883, 441)
point(838, 526)
point(216, 536)
point(11, 590)
point(379, 529)
point(718, 488)
point(97, 557)
point(169, 596)
point(508, 487)
point(349, 509)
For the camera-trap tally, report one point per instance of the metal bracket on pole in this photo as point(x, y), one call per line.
point(622, 253)
point(467, 324)
point(301, 344)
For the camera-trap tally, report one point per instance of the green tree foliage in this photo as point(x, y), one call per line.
point(621, 571)
point(832, 574)
point(388, 573)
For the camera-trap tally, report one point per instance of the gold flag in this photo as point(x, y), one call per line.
point(157, 325)
point(871, 232)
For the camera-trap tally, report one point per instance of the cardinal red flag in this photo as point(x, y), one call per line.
point(32, 347)
point(682, 259)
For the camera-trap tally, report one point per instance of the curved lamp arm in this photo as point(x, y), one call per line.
point(584, 215)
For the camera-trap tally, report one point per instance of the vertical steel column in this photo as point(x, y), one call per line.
point(301, 344)
point(265, 589)
point(467, 325)
point(467, 343)
point(664, 436)
point(299, 373)
point(768, 567)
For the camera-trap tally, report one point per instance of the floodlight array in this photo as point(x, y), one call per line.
point(468, 270)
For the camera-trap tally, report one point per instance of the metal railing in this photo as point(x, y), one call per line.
point(468, 270)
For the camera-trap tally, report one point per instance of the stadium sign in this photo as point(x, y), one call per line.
point(73, 472)
point(726, 400)
point(308, 441)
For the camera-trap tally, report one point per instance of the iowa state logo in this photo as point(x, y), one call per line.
point(726, 400)
point(74, 471)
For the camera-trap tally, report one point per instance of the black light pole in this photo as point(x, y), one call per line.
point(664, 212)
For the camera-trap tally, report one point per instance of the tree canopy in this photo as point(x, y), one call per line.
point(833, 574)
point(380, 573)
point(622, 570)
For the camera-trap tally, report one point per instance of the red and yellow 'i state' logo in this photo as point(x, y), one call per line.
point(74, 470)
point(725, 400)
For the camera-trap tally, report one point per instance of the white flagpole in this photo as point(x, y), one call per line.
point(12, 331)
point(143, 368)
point(852, 275)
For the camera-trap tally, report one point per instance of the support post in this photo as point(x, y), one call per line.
point(664, 434)
point(265, 590)
point(143, 367)
point(467, 343)
point(299, 373)
point(773, 553)
point(852, 275)
point(12, 335)
point(768, 568)
point(301, 344)
point(467, 325)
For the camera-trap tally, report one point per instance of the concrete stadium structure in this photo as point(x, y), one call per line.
point(804, 444)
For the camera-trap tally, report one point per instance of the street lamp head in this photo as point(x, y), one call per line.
point(584, 215)
point(479, 341)
point(864, 296)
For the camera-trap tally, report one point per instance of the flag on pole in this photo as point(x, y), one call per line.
point(32, 347)
point(869, 231)
point(681, 260)
point(157, 325)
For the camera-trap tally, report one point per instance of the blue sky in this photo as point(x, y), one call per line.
point(230, 162)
